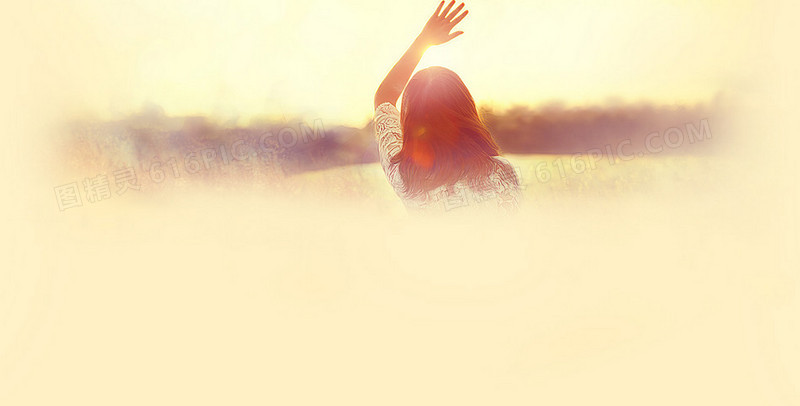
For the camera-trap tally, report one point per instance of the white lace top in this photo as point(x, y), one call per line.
point(502, 192)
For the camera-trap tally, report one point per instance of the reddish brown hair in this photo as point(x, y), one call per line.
point(444, 138)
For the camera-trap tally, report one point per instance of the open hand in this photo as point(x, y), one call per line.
point(437, 29)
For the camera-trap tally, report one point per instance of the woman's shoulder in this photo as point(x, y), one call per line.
point(387, 120)
point(506, 170)
point(386, 108)
point(503, 163)
point(502, 160)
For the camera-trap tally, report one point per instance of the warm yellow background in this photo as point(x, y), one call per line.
point(242, 58)
point(239, 298)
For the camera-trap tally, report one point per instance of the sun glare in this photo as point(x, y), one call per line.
point(324, 59)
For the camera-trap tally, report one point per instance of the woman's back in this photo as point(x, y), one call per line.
point(500, 190)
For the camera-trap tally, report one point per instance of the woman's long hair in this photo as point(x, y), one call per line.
point(444, 139)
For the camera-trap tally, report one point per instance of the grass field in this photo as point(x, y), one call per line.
point(545, 178)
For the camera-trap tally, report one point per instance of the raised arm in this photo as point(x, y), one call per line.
point(436, 32)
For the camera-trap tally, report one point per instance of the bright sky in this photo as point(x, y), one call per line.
point(324, 59)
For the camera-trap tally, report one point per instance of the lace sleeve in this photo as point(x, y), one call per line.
point(390, 140)
point(509, 186)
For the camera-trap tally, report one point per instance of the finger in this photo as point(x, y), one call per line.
point(459, 18)
point(449, 6)
point(438, 9)
point(455, 34)
point(455, 12)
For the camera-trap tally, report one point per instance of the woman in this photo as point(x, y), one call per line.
point(437, 153)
